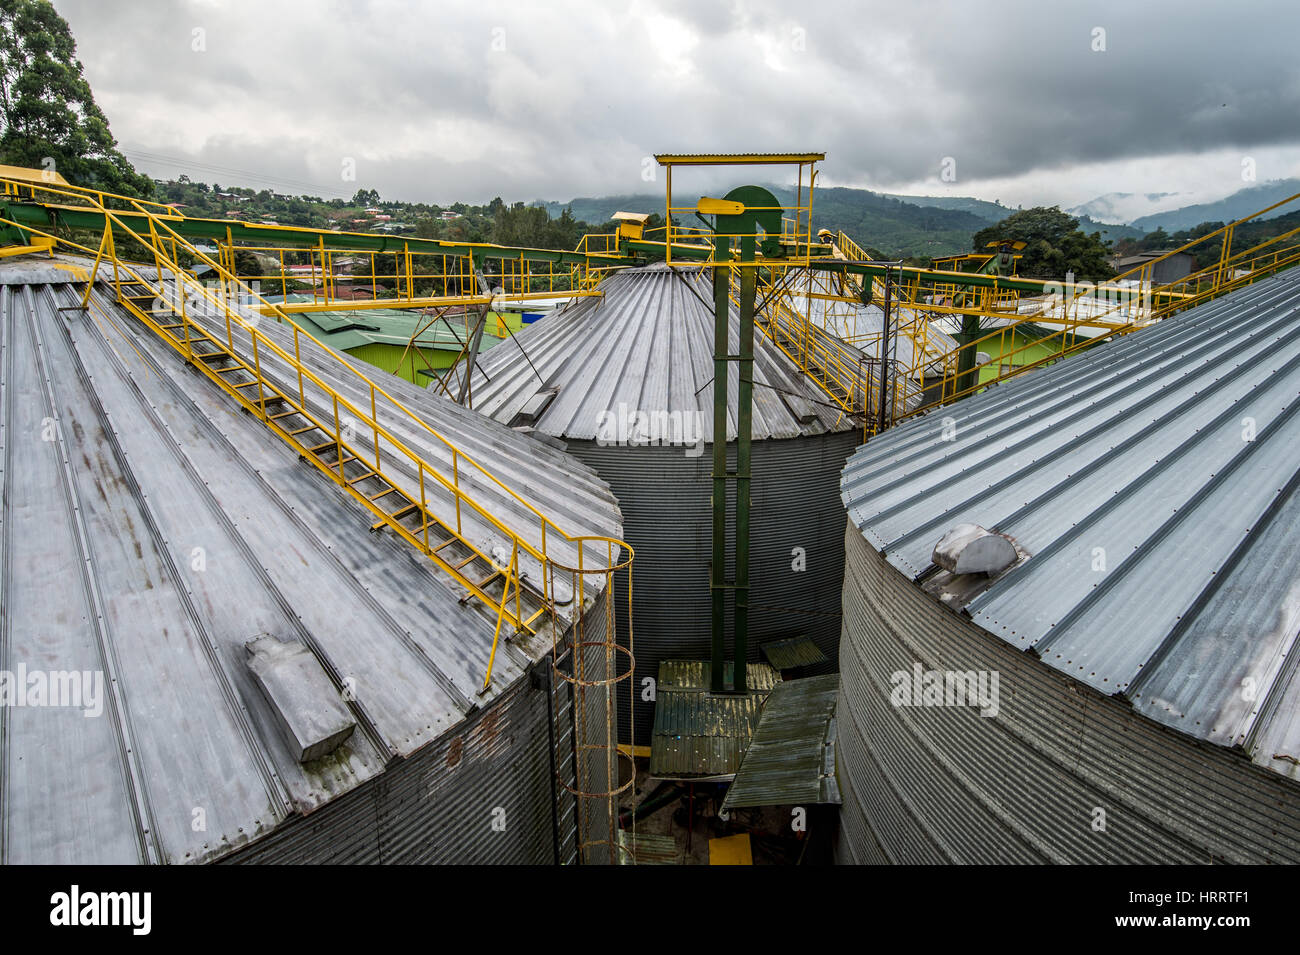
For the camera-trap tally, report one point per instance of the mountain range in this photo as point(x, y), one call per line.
point(927, 226)
point(894, 225)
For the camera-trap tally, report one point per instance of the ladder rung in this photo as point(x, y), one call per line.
point(431, 522)
point(488, 579)
point(213, 354)
point(285, 414)
point(362, 477)
point(468, 560)
point(322, 447)
point(310, 427)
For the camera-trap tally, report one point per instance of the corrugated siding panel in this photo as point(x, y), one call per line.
point(440, 805)
point(945, 784)
point(665, 498)
point(402, 362)
point(790, 758)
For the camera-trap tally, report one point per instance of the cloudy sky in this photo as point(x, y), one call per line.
point(1026, 102)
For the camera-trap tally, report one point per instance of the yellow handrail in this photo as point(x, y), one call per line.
point(264, 349)
point(456, 452)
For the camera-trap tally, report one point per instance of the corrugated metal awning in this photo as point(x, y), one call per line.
point(700, 735)
point(793, 653)
point(791, 759)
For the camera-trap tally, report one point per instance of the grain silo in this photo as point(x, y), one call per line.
point(624, 383)
point(1118, 683)
point(207, 654)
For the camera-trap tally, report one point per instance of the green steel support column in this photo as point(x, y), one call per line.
point(997, 265)
point(476, 336)
point(970, 333)
point(760, 213)
point(718, 567)
point(744, 423)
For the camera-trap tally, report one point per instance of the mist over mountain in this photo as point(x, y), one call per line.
point(1241, 203)
point(1124, 207)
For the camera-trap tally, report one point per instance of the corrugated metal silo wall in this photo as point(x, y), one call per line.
point(944, 784)
point(665, 497)
point(596, 733)
point(482, 794)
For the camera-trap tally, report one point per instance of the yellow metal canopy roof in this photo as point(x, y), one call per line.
point(47, 176)
point(729, 159)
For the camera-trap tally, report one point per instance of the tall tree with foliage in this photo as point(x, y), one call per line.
point(48, 115)
point(1054, 244)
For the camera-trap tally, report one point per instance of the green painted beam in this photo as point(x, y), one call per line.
point(44, 217)
point(907, 272)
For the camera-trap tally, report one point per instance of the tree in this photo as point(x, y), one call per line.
point(1055, 244)
point(564, 232)
point(366, 197)
point(48, 116)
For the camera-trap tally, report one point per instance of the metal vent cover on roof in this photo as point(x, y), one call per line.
point(311, 716)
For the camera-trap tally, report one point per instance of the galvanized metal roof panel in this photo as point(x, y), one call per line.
point(647, 848)
point(1153, 482)
point(793, 653)
point(698, 734)
point(791, 759)
point(148, 531)
point(645, 346)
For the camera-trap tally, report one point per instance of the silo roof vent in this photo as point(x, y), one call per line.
point(971, 549)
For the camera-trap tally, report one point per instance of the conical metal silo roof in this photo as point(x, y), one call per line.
point(645, 345)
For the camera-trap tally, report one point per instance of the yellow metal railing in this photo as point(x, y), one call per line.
point(802, 342)
point(850, 380)
point(281, 376)
point(296, 259)
point(795, 218)
point(1066, 319)
point(348, 279)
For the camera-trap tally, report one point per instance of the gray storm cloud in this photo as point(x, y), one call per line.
point(444, 101)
